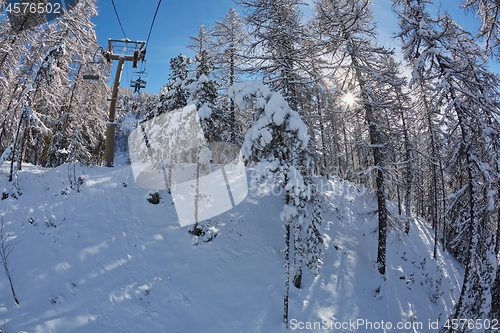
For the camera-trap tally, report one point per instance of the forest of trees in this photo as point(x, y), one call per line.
point(428, 140)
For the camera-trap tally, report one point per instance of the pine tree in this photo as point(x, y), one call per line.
point(173, 95)
point(314, 240)
point(276, 138)
point(202, 92)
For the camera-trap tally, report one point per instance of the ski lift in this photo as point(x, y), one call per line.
point(125, 48)
point(94, 67)
point(92, 71)
point(139, 80)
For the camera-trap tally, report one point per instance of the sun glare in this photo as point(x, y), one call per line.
point(349, 99)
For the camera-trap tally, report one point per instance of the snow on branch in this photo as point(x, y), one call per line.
point(272, 111)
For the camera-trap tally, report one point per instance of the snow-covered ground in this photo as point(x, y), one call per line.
point(104, 259)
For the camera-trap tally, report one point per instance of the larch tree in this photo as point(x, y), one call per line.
point(49, 61)
point(489, 31)
point(465, 93)
point(72, 139)
point(228, 37)
point(277, 49)
point(348, 34)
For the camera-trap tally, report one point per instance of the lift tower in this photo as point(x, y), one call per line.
point(121, 50)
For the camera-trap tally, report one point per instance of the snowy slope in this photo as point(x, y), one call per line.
point(106, 260)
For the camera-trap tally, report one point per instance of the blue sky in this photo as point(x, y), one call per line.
point(177, 20)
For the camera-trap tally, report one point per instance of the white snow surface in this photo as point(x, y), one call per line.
point(106, 260)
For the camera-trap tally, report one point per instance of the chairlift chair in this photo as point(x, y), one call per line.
point(139, 80)
point(95, 67)
point(91, 77)
point(92, 71)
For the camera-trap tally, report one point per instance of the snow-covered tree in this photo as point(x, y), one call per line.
point(201, 87)
point(446, 59)
point(173, 94)
point(202, 92)
point(201, 41)
point(276, 140)
point(71, 98)
point(227, 42)
point(364, 73)
point(276, 49)
point(76, 98)
point(227, 39)
point(488, 11)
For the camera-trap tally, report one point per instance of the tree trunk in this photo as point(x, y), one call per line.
point(287, 273)
point(16, 139)
point(377, 142)
point(408, 158)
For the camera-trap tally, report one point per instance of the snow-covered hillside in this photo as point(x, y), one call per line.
point(104, 259)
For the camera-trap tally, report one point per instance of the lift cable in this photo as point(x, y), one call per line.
point(118, 17)
point(153, 22)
